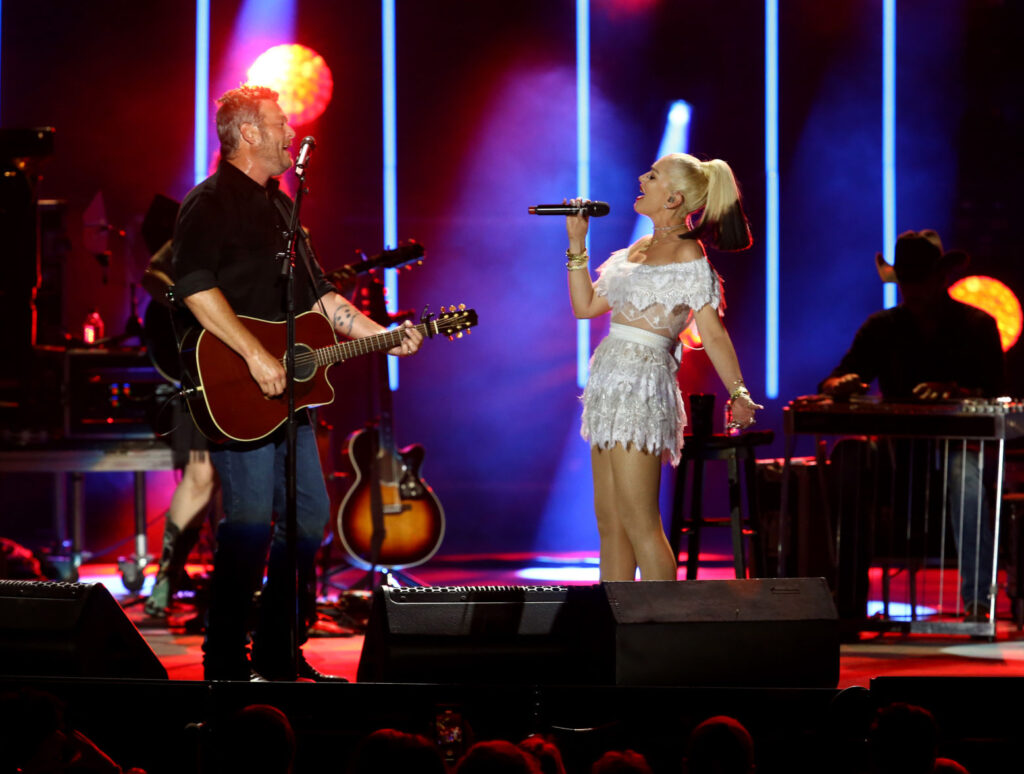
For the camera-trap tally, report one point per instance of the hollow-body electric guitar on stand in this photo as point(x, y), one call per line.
point(390, 517)
point(225, 401)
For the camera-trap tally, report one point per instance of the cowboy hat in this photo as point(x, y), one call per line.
point(919, 255)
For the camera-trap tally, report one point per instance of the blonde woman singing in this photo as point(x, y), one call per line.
point(633, 413)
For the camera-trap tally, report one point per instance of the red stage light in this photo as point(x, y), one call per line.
point(301, 77)
point(992, 296)
point(691, 337)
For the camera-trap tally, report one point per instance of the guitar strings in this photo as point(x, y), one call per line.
point(311, 357)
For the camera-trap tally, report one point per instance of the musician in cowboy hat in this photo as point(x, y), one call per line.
point(931, 348)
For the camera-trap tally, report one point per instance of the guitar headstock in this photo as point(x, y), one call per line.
point(453, 322)
point(408, 252)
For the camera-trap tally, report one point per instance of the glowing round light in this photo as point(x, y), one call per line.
point(690, 337)
point(992, 296)
point(301, 77)
point(679, 113)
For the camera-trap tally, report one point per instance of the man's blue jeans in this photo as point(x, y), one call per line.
point(253, 484)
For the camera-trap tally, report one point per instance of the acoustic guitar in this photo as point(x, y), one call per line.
point(225, 401)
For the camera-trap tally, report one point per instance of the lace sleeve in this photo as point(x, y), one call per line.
point(607, 270)
point(704, 287)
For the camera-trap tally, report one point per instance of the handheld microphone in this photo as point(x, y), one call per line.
point(305, 150)
point(590, 209)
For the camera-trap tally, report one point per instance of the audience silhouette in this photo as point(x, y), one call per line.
point(548, 756)
point(389, 751)
point(720, 745)
point(948, 766)
point(621, 762)
point(903, 740)
point(497, 757)
point(257, 739)
point(35, 738)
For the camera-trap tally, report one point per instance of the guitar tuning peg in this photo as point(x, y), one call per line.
point(462, 307)
point(458, 335)
point(451, 338)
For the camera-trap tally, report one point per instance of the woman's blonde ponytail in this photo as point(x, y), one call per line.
point(723, 222)
point(710, 187)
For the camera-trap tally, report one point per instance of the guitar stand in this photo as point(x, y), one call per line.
point(368, 581)
point(382, 576)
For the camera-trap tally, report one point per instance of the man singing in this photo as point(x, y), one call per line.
point(230, 230)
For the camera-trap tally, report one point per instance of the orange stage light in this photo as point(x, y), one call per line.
point(691, 337)
point(992, 296)
point(301, 77)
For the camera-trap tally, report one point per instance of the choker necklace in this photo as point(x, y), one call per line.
point(661, 233)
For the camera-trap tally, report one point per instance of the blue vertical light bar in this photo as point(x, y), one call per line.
point(387, 15)
point(888, 143)
point(201, 162)
point(1, 42)
point(771, 167)
point(582, 159)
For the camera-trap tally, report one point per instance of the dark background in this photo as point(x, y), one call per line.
point(486, 127)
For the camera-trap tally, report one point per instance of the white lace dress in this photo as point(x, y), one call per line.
point(632, 397)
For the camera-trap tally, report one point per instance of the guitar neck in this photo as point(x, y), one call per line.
point(380, 342)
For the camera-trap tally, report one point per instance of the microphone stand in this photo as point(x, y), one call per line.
point(291, 511)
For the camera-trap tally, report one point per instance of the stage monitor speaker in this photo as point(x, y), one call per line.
point(487, 634)
point(70, 630)
point(761, 632)
point(756, 633)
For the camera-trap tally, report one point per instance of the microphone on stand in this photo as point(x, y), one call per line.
point(305, 151)
point(590, 209)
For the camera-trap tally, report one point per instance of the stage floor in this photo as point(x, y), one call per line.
point(873, 654)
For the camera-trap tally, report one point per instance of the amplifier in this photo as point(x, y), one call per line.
point(110, 393)
point(761, 632)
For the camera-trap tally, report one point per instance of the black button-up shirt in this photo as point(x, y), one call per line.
point(228, 235)
point(892, 347)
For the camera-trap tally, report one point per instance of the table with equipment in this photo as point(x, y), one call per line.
point(71, 460)
point(979, 427)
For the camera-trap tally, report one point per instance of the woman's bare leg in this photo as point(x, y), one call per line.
point(617, 560)
point(636, 479)
point(193, 491)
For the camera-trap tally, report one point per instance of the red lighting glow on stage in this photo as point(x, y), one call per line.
point(299, 75)
point(690, 337)
point(992, 296)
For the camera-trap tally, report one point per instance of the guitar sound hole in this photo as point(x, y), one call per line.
point(305, 363)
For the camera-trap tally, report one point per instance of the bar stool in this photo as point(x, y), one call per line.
point(733, 449)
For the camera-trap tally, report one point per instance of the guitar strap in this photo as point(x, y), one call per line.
point(304, 247)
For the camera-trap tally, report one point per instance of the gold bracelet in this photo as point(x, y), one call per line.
point(576, 256)
point(740, 392)
point(576, 267)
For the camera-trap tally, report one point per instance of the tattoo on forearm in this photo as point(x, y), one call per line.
point(344, 319)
